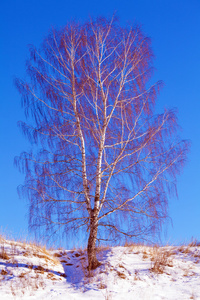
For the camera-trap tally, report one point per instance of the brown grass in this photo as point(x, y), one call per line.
point(136, 276)
point(102, 286)
point(134, 247)
point(132, 244)
point(4, 272)
point(184, 249)
point(160, 260)
point(121, 275)
point(194, 243)
point(3, 254)
point(57, 255)
point(27, 282)
point(145, 254)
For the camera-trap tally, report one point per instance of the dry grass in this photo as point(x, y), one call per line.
point(107, 295)
point(57, 255)
point(48, 258)
point(134, 247)
point(145, 254)
point(161, 259)
point(121, 275)
point(26, 284)
point(136, 276)
point(34, 278)
point(184, 249)
point(100, 249)
point(194, 243)
point(4, 272)
point(102, 286)
point(3, 253)
point(33, 249)
point(193, 296)
point(2, 239)
point(30, 278)
point(191, 252)
point(30, 249)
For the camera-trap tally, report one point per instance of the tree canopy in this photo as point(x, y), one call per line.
point(106, 160)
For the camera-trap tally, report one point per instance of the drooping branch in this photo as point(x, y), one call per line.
point(104, 154)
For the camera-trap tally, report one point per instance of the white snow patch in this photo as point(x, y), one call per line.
point(134, 272)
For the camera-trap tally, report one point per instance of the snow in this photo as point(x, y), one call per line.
point(28, 271)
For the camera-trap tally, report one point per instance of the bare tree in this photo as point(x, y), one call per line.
point(106, 159)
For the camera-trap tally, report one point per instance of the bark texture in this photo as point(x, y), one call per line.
point(93, 262)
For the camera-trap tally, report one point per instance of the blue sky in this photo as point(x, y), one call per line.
point(173, 26)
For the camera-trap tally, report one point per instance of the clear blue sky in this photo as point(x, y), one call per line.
point(174, 27)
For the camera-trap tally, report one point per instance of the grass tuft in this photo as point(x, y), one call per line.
point(3, 254)
point(160, 259)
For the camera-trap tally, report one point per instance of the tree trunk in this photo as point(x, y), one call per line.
point(93, 262)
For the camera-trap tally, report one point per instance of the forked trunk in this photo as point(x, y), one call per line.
point(93, 262)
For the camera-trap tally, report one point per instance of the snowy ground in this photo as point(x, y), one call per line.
point(134, 272)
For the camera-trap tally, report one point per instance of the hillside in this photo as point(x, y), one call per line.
point(28, 271)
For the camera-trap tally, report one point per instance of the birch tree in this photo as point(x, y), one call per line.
point(106, 161)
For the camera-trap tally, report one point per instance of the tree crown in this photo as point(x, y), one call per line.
point(104, 153)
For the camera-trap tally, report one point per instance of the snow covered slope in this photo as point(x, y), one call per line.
point(134, 272)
